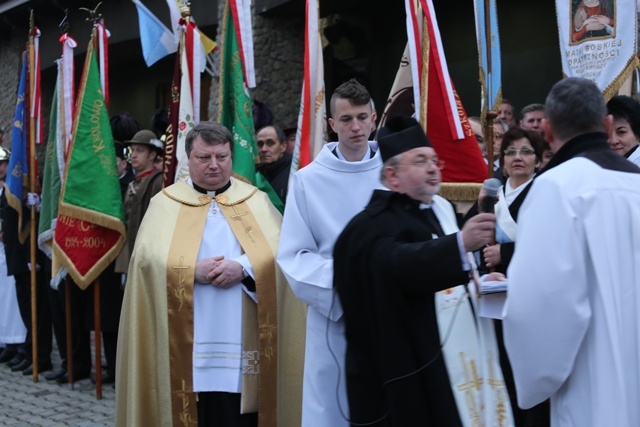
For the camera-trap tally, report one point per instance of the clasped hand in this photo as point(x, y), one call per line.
point(220, 272)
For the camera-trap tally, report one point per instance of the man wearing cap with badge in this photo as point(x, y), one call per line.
point(145, 147)
point(411, 349)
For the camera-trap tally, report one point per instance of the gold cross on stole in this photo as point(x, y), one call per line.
point(472, 381)
point(268, 327)
point(239, 217)
point(181, 291)
point(185, 417)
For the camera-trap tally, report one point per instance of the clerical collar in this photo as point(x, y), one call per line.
point(336, 152)
point(211, 193)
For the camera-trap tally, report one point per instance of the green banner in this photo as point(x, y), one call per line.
point(50, 182)
point(235, 110)
point(235, 106)
point(90, 230)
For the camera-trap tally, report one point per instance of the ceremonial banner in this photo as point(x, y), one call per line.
point(400, 101)
point(51, 179)
point(156, 39)
point(68, 91)
point(186, 119)
point(171, 134)
point(52, 182)
point(235, 106)
point(312, 120)
point(235, 110)
point(103, 58)
point(489, 54)
point(90, 229)
point(598, 41)
point(35, 92)
point(18, 169)
point(437, 106)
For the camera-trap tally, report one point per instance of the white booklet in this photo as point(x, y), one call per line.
point(492, 296)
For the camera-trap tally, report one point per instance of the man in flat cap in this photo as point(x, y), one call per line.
point(415, 353)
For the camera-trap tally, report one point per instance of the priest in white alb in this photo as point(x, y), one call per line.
point(571, 325)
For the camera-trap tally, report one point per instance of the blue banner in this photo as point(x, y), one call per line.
point(18, 163)
point(489, 54)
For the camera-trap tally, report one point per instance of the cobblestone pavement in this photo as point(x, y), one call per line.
point(47, 403)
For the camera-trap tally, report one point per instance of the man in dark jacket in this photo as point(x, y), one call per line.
point(275, 161)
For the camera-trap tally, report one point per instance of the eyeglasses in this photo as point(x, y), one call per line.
point(422, 164)
point(523, 152)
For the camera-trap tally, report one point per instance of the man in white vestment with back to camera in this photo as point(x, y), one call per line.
point(571, 325)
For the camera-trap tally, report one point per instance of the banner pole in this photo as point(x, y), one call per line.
point(97, 330)
point(32, 225)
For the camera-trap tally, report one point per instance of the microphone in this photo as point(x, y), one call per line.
point(491, 187)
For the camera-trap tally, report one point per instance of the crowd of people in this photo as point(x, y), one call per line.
point(360, 305)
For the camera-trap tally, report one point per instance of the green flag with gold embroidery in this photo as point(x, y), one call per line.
point(235, 111)
point(90, 228)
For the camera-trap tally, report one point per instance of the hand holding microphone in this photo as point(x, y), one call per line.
point(479, 230)
point(489, 195)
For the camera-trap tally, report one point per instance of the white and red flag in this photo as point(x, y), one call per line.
point(312, 124)
point(424, 74)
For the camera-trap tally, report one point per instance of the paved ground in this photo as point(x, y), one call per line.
point(46, 403)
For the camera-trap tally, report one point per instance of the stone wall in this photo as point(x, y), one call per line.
point(279, 53)
point(10, 54)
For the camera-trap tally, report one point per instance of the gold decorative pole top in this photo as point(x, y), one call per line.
point(94, 16)
point(185, 8)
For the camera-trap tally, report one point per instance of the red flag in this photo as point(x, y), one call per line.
point(438, 107)
point(171, 135)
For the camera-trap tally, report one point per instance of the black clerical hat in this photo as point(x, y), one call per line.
point(400, 134)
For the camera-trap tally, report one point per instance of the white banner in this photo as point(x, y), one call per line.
point(598, 41)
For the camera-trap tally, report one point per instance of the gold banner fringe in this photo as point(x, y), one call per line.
point(617, 83)
point(460, 191)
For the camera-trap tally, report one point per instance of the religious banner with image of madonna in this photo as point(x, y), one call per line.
point(598, 41)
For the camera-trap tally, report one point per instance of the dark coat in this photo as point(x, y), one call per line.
point(137, 198)
point(125, 180)
point(17, 254)
point(277, 173)
point(387, 267)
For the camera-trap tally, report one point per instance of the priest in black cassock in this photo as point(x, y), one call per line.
point(389, 263)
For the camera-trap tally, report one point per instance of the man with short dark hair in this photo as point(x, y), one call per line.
point(290, 133)
point(275, 161)
point(323, 197)
point(532, 116)
point(571, 318)
point(202, 339)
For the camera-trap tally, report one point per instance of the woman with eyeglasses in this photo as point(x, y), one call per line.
point(520, 158)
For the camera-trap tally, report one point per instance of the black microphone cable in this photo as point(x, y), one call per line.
point(391, 380)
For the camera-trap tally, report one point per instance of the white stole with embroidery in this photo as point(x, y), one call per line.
point(470, 350)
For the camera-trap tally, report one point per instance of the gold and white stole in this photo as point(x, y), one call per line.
point(470, 349)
